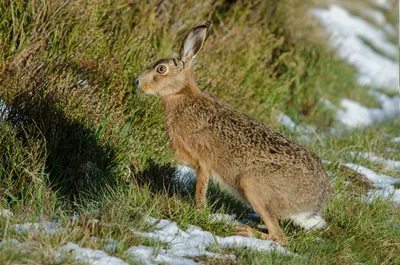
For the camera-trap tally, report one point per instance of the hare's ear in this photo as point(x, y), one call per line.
point(193, 42)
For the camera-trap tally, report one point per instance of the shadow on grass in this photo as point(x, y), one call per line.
point(182, 182)
point(75, 161)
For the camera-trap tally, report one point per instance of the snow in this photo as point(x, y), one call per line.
point(87, 255)
point(94, 221)
point(11, 241)
point(250, 243)
point(111, 246)
point(347, 35)
point(379, 180)
point(6, 213)
point(182, 243)
point(184, 174)
point(74, 218)
point(390, 105)
point(82, 255)
point(3, 110)
point(390, 150)
point(390, 193)
point(223, 218)
point(383, 4)
point(194, 241)
point(383, 183)
point(377, 16)
point(145, 255)
point(82, 83)
point(380, 19)
point(355, 115)
point(45, 227)
point(378, 70)
point(389, 164)
point(305, 131)
point(395, 140)
point(286, 121)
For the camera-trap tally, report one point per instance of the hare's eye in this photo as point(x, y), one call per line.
point(161, 69)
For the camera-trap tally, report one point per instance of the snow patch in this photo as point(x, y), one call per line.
point(111, 246)
point(390, 150)
point(384, 183)
point(355, 115)
point(3, 110)
point(9, 242)
point(286, 121)
point(94, 221)
point(390, 193)
point(87, 255)
point(148, 256)
point(184, 174)
point(223, 218)
point(395, 140)
point(194, 241)
point(385, 4)
point(45, 227)
point(378, 180)
point(389, 164)
point(250, 243)
point(380, 19)
point(74, 218)
point(305, 131)
point(6, 213)
point(82, 83)
point(348, 33)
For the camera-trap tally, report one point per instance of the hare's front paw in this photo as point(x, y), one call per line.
point(200, 206)
point(281, 240)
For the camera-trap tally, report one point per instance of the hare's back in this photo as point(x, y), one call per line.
point(208, 124)
point(238, 131)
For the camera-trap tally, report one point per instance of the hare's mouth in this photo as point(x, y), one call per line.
point(143, 86)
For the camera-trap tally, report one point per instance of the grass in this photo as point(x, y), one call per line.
point(79, 140)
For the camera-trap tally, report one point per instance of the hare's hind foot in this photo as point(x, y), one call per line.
point(308, 220)
point(260, 205)
point(245, 230)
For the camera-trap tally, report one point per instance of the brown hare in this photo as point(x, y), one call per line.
point(267, 171)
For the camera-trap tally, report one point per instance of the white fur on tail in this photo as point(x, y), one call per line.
point(308, 221)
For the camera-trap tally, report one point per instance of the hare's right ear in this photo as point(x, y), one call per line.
point(193, 43)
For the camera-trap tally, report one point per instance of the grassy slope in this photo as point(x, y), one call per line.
point(99, 147)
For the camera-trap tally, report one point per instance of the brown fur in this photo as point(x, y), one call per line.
point(264, 169)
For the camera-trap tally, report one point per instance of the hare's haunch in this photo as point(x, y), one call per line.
point(264, 169)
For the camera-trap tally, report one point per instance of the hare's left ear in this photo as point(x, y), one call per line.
point(193, 43)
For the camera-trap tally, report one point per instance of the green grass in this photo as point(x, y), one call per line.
point(358, 232)
point(98, 149)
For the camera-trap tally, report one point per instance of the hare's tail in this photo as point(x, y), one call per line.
point(308, 220)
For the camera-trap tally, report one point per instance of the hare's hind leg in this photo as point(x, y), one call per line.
point(245, 230)
point(270, 220)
